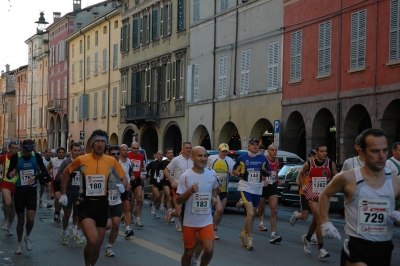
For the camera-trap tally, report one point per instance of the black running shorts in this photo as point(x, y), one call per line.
point(25, 198)
point(94, 209)
point(270, 190)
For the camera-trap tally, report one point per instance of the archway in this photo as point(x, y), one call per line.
point(57, 135)
point(263, 130)
point(356, 121)
point(114, 139)
point(173, 138)
point(149, 141)
point(44, 145)
point(391, 122)
point(295, 135)
point(201, 137)
point(51, 126)
point(128, 136)
point(324, 131)
point(230, 134)
point(39, 146)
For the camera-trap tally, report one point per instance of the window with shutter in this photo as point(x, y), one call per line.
point(224, 5)
point(148, 28)
point(136, 88)
point(295, 56)
point(72, 73)
point(181, 78)
point(135, 34)
point(168, 84)
point(154, 29)
point(173, 79)
point(223, 65)
point(80, 108)
point(104, 60)
point(141, 30)
point(65, 87)
point(196, 10)
point(85, 106)
point(394, 37)
point(324, 48)
point(96, 64)
point(95, 100)
point(103, 103)
point(122, 43)
point(358, 39)
point(73, 110)
point(80, 70)
point(58, 96)
point(147, 85)
point(128, 29)
point(161, 21)
point(88, 67)
point(114, 102)
point(115, 57)
point(273, 55)
point(181, 15)
point(245, 72)
point(169, 26)
point(124, 86)
point(196, 74)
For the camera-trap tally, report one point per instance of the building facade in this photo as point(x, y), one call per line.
point(234, 72)
point(341, 73)
point(155, 52)
point(21, 88)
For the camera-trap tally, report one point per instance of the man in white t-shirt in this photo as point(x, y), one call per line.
point(354, 162)
point(197, 192)
point(393, 163)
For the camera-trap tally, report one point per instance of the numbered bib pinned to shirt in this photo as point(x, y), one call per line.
point(76, 180)
point(253, 177)
point(272, 177)
point(135, 165)
point(373, 216)
point(95, 185)
point(114, 197)
point(201, 203)
point(222, 178)
point(25, 176)
point(318, 184)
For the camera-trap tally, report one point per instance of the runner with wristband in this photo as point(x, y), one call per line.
point(169, 153)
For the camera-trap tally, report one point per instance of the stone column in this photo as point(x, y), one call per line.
point(50, 139)
point(55, 139)
point(64, 139)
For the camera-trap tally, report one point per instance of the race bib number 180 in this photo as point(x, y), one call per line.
point(95, 185)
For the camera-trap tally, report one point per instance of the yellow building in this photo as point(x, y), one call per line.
point(94, 78)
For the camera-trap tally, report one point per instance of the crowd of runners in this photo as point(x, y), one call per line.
point(104, 189)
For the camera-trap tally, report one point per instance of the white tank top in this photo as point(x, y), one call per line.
point(367, 213)
point(56, 164)
point(45, 162)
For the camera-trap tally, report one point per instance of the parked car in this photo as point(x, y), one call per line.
point(288, 168)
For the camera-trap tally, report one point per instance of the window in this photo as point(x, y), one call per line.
point(88, 42)
point(83, 109)
point(52, 90)
point(166, 20)
point(358, 39)
point(154, 28)
point(196, 72)
point(273, 57)
point(162, 21)
point(58, 96)
point(169, 18)
point(124, 86)
point(96, 64)
point(181, 15)
point(124, 46)
point(88, 67)
point(73, 110)
point(295, 56)
point(65, 87)
point(245, 72)
point(104, 29)
point(104, 60)
point(103, 103)
point(324, 48)
point(114, 102)
point(168, 83)
point(96, 38)
point(224, 5)
point(95, 105)
point(147, 85)
point(135, 35)
point(394, 42)
point(44, 120)
point(141, 30)
point(116, 24)
point(72, 73)
point(223, 71)
point(115, 57)
point(80, 108)
point(173, 79)
point(24, 122)
point(80, 47)
point(34, 117)
point(196, 10)
point(181, 78)
point(136, 88)
point(80, 70)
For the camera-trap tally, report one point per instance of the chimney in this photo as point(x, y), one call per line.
point(77, 5)
point(56, 16)
point(7, 68)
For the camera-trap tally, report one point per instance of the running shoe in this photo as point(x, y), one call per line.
point(153, 210)
point(313, 240)
point(193, 261)
point(49, 205)
point(307, 246)
point(157, 214)
point(216, 237)
point(109, 252)
point(28, 243)
point(52, 196)
point(262, 227)
point(40, 204)
point(178, 227)
point(9, 231)
point(322, 253)
point(18, 250)
point(57, 217)
point(243, 238)
point(250, 243)
point(168, 219)
point(138, 223)
point(239, 205)
point(293, 219)
point(129, 233)
point(5, 226)
point(64, 238)
point(275, 239)
point(79, 238)
point(162, 211)
point(172, 220)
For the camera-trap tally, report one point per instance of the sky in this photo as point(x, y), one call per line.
point(18, 17)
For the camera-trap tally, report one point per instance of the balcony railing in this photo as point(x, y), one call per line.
point(147, 111)
point(55, 105)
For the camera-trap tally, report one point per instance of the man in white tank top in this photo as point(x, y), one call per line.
point(369, 196)
point(53, 168)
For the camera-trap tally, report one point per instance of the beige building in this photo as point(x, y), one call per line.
point(7, 106)
point(94, 78)
point(234, 92)
point(155, 52)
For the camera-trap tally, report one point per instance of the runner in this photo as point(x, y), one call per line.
point(127, 195)
point(156, 186)
point(93, 201)
point(45, 183)
point(137, 162)
point(8, 188)
point(73, 185)
point(169, 153)
point(222, 165)
point(394, 165)
point(197, 192)
point(252, 169)
point(354, 162)
point(178, 165)
point(369, 196)
point(270, 192)
point(320, 170)
point(53, 167)
point(114, 210)
point(24, 166)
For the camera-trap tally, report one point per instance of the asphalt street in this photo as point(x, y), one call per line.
point(159, 244)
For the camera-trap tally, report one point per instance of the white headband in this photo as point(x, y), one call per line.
point(94, 138)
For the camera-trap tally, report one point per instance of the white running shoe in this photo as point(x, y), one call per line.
point(322, 253)
point(293, 219)
point(64, 238)
point(138, 223)
point(275, 239)
point(9, 231)
point(307, 246)
point(18, 250)
point(5, 226)
point(216, 237)
point(178, 227)
point(28, 243)
point(313, 240)
point(153, 210)
point(109, 252)
point(157, 214)
point(79, 238)
point(243, 239)
point(250, 243)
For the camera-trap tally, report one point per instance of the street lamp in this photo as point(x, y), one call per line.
point(41, 23)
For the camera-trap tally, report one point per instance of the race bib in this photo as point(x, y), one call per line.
point(25, 175)
point(272, 177)
point(76, 180)
point(373, 216)
point(254, 177)
point(318, 184)
point(135, 165)
point(114, 197)
point(161, 174)
point(222, 179)
point(95, 185)
point(201, 203)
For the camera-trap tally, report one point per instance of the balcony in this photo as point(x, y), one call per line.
point(56, 105)
point(143, 112)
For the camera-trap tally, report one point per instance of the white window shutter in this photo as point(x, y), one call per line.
point(96, 63)
point(196, 81)
point(169, 17)
point(358, 39)
point(114, 102)
point(103, 103)
point(394, 39)
point(104, 60)
point(295, 56)
point(148, 28)
point(223, 61)
point(273, 56)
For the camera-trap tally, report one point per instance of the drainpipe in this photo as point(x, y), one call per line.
point(109, 73)
point(236, 43)
point(214, 62)
point(84, 77)
point(31, 91)
point(376, 59)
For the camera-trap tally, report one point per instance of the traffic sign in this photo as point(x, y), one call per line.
point(277, 129)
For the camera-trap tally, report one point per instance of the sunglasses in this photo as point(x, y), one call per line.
point(135, 148)
point(115, 153)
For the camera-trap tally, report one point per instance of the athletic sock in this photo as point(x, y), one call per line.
point(272, 233)
point(308, 237)
point(320, 246)
point(128, 227)
point(109, 245)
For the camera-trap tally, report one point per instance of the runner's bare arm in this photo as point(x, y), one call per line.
point(182, 198)
point(336, 185)
point(49, 167)
point(64, 181)
point(167, 174)
point(302, 174)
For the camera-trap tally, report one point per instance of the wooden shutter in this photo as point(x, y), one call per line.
point(324, 48)
point(223, 61)
point(85, 106)
point(104, 60)
point(196, 74)
point(115, 59)
point(273, 57)
point(96, 63)
point(103, 103)
point(161, 21)
point(174, 79)
point(128, 29)
point(95, 100)
point(394, 39)
point(141, 30)
point(358, 39)
point(169, 17)
point(295, 56)
point(148, 28)
point(122, 42)
point(88, 67)
point(114, 103)
point(135, 35)
point(168, 85)
point(181, 15)
point(155, 24)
